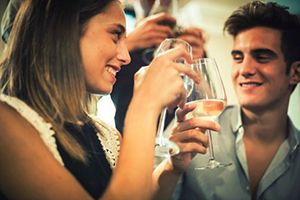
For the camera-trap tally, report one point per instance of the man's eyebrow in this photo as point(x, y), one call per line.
point(264, 51)
point(257, 51)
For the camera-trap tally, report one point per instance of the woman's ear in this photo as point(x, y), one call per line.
point(295, 73)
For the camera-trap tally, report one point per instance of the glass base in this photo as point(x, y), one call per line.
point(165, 147)
point(213, 164)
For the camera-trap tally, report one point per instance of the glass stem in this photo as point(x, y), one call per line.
point(210, 149)
point(160, 129)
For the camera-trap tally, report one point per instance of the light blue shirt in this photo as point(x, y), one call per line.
point(281, 180)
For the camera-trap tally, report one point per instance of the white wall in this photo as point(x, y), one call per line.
point(294, 108)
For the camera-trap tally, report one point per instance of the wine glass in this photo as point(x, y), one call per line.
point(163, 146)
point(210, 98)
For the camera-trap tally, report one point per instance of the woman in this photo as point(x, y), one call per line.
point(59, 53)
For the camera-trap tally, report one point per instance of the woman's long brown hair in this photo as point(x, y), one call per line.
point(42, 63)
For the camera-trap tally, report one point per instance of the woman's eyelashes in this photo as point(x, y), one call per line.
point(117, 35)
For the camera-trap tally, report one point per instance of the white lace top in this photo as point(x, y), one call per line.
point(108, 138)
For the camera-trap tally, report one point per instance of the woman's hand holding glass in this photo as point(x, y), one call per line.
point(161, 83)
point(164, 147)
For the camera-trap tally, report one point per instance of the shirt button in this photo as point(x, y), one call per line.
point(247, 188)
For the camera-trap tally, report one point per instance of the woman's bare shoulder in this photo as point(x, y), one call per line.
point(27, 165)
point(15, 130)
point(10, 118)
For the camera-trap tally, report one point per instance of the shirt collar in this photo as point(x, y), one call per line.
point(293, 136)
point(236, 119)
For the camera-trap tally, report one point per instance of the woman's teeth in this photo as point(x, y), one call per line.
point(111, 70)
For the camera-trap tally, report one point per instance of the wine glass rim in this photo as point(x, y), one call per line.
point(177, 39)
point(174, 39)
point(198, 60)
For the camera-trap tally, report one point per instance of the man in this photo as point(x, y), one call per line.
point(257, 136)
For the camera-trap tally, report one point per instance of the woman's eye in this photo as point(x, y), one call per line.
point(117, 34)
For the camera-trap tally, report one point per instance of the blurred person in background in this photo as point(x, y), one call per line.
point(154, 24)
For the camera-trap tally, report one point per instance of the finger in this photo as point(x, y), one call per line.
point(181, 112)
point(179, 52)
point(193, 123)
point(192, 135)
point(188, 71)
point(166, 30)
point(192, 147)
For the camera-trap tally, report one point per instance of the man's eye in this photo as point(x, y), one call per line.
point(262, 58)
point(237, 58)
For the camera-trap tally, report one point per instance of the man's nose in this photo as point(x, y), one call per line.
point(247, 67)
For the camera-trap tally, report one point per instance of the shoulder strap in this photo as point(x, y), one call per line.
point(45, 129)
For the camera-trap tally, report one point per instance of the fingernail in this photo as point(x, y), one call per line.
point(218, 127)
point(190, 105)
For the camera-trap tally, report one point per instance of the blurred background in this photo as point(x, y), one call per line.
point(209, 15)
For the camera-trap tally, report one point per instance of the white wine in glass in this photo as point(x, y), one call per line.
point(209, 109)
point(210, 97)
point(163, 146)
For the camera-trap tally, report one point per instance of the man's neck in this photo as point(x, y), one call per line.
point(264, 132)
point(265, 126)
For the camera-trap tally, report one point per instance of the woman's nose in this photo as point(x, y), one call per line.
point(123, 54)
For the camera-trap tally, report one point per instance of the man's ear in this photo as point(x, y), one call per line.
point(295, 73)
